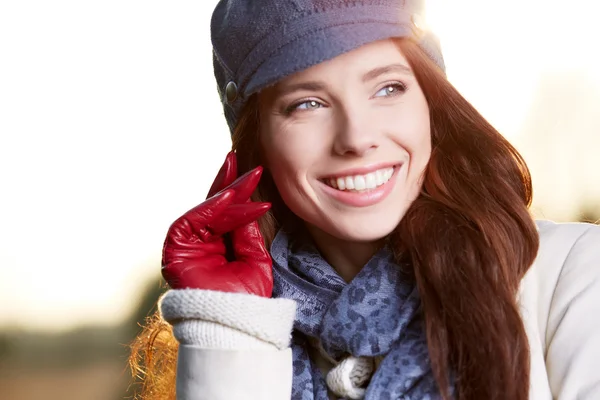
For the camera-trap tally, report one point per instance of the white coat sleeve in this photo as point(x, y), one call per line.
point(231, 345)
point(573, 330)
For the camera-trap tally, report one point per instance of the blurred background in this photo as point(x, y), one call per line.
point(111, 127)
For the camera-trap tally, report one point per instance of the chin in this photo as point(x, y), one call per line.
point(362, 229)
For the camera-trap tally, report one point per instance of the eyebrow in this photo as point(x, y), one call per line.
point(314, 86)
point(310, 86)
point(376, 72)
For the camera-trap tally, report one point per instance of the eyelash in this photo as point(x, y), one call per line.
point(396, 85)
point(401, 88)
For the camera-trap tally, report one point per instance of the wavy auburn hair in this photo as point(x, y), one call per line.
point(469, 236)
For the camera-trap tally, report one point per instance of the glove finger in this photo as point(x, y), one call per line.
point(248, 244)
point(245, 185)
point(196, 275)
point(196, 219)
point(180, 249)
point(237, 215)
point(227, 174)
point(178, 257)
point(249, 247)
point(246, 273)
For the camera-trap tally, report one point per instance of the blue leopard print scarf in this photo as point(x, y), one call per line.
point(377, 314)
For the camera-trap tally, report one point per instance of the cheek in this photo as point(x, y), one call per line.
point(283, 156)
point(293, 157)
point(422, 146)
point(290, 177)
point(289, 161)
point(293, 147)
point(412, 134)
point(416, 134)
point(419, 159)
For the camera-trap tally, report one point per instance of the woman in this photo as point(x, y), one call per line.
point(403, 262)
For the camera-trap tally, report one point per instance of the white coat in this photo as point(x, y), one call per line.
point(235, 346)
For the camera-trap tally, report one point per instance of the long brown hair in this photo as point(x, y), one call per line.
point(469, 236)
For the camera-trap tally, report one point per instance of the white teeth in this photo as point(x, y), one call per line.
point(371, 181)
point(349, 183)
point(359, 182)
point(362, 182)
point(379, 177)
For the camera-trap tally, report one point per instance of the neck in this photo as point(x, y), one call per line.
point(346, 257)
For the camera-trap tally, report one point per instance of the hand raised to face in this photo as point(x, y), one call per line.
point(194, 252)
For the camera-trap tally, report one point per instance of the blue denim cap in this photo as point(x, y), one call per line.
point(258, 42)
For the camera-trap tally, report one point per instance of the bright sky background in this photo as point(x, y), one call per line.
point(110, 128)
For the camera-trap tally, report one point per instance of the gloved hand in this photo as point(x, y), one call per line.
point(195, 250)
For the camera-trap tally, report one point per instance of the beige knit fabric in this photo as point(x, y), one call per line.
point(349, 377)
point(220, 320)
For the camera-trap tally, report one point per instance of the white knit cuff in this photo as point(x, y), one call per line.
point(213, 319)
point(214, 336)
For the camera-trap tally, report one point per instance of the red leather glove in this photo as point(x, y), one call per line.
point(195, 250)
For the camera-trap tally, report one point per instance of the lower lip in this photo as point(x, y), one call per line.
point(364, 198)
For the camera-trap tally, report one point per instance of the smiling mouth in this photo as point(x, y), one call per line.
point(361, 183)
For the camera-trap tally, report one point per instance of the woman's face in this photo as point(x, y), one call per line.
point(347, 141)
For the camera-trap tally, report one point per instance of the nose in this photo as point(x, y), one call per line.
point(355, 136)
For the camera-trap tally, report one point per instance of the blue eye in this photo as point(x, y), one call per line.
point(304, 106)
point(390, 90)
point(308, 105)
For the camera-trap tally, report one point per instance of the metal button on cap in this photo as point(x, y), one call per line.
point(231, 92)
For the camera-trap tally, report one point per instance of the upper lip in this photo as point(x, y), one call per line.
point(362, 170)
